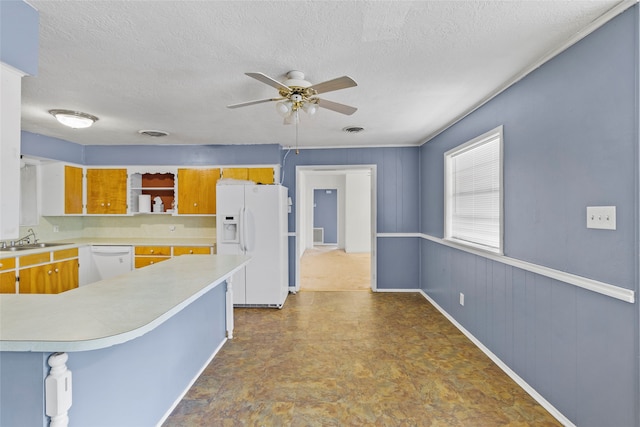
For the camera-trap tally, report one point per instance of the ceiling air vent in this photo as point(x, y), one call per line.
point(153, 133)
point(353, 129)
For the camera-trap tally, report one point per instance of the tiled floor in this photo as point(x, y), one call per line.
point(353, 359)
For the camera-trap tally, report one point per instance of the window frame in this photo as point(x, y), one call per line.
point(448, 189)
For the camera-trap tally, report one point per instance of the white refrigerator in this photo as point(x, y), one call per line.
point(252, 219)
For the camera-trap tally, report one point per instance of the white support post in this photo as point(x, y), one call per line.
point(229, 308)
point(58, 390)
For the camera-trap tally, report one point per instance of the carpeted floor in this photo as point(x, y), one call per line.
point(327, 268)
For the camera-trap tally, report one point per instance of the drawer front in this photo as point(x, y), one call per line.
point(191, 250)
point(65, 254)
point(143, 261)
point(7, 263)
point(153, 250)
point(35, 259)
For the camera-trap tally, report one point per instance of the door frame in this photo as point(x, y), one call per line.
point(339, 170)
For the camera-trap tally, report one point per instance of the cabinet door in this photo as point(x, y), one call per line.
point(235, 173)
point(191, 250)
point(72, 190)
point(197, 191)
point(49, 278)
point(36, 280)
point(261, 175)
point(106, 191)
point(65, 275)
point(8, 282)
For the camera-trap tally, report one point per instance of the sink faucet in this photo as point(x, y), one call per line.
point(27, 238)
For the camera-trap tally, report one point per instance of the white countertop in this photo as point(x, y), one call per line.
point(111, 241)
point(111, 311)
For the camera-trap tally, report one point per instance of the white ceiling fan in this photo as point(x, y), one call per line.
point(298, 94)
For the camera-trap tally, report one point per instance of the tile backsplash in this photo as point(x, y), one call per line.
point(160, 226)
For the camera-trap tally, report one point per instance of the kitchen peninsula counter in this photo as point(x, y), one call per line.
point(135, 343)
point(110, 311)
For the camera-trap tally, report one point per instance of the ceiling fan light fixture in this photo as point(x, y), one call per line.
point(284, 108)
point(310, 108)
point(74, 119)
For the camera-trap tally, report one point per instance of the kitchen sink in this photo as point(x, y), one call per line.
point(30, 246)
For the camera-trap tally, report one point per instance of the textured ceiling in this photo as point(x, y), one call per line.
point(175, 65)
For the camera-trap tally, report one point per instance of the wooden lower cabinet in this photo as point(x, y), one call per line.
point(191, 250)
point(149, 255)
point(51, 278)
point(144, 261)
point(8, 282)
point(7, 276)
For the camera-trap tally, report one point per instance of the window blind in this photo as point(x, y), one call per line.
point(475, 196)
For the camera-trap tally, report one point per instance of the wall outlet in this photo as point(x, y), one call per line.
point(461, 299)
point(56, 229)
point(172, 228)
point(602, 217)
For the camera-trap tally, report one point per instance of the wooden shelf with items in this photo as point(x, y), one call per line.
point(154, 184)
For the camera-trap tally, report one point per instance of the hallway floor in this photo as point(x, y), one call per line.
point(327, 268)
point(353, 359)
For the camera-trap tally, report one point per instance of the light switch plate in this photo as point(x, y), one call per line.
point(602, 217)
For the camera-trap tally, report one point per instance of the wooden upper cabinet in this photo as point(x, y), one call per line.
point(257, 175)
point(106, 191)
point(62, 188)
point(72, 190)
point(197, 191)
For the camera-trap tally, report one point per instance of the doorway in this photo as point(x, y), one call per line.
point(335, 223)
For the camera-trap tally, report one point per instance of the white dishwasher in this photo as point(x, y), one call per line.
point(112, 261)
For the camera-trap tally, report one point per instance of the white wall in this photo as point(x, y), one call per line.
point(358, 212)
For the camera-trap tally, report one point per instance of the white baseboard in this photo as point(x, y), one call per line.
point(522, 383)
point(396, 290)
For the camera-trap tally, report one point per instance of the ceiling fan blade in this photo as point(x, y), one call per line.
point(334, 106)
point(268, 80)
point(259, 101)
point(335, 84)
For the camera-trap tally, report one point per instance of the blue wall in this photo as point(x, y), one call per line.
point(19, 30)
point(397, 205)
point(397, 184)
point(325, 213)
point(570, 141)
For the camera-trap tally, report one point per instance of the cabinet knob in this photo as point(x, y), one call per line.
point(151, 251)
point(151, 262)
point(102, 204)
point(0, 265)
point(56, 270)
point(195, 204)
point(190, 251)
point(49, 272)
point(108, 204)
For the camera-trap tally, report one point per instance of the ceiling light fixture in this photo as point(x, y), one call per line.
point(74, 119)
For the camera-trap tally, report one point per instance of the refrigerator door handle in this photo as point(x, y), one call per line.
point(243, 232)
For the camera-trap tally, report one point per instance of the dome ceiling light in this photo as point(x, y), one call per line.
point(74, 119)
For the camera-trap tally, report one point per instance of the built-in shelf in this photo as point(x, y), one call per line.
point(155, 184)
